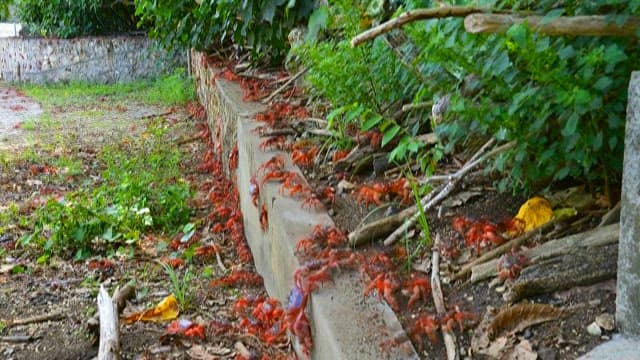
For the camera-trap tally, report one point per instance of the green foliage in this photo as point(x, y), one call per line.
point(5, 9)
point(262, 25)
point(561, 98)
point(141, 191)
point(64, 18)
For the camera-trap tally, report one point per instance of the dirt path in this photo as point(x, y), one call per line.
point(15, 108)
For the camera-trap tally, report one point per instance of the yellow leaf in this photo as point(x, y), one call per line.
point(167, 309)
point(535, 213)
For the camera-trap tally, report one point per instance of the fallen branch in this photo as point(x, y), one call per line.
point(594, 25)
point(109, 327)
point(420, 105)
point(120, 298)
point(33, 319)
point(597, 237)
point(448, 188)
point(438, 301)
point(16, 339)
point(611, 216)
point(220, 263)
point(284, 86)
point(498, 251)
point(580, 267)
point(415, 15)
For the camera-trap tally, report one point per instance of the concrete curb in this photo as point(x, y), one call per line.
point(345, 324)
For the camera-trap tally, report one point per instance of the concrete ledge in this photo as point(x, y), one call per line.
point(617, 348)
point(345, 324)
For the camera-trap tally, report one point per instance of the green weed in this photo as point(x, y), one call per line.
point(181, 287)
point(141, 191)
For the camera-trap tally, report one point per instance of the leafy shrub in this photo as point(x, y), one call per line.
point(65, 18)
point(142, 191)
point(262, 25)
point(562, 99)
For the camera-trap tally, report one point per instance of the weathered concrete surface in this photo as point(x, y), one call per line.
point(345, 324)
point(9, 29)
point(618, 348)
point(15, 108)
point(628, 285)
point(93, 59)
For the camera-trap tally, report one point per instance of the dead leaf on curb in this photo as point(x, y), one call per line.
point(167, 309)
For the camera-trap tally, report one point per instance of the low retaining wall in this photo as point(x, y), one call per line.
point(91, 59)
point(345, 324)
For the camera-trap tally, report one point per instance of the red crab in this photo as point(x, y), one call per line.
point(371, 194)
point(264, 218)
point(425, 325)
point(456, 315)
point(254, 191)
point(510, 265)
point(385, 285)
point(419, 287)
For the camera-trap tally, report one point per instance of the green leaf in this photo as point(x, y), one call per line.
point(581, 96)
point(603, 83)
point(317, 22)
point(571, 125)
point(613, 55)
point(566, 52)
point(371, 122)
point(390, 134)
point(563, 173)
point(269, 11)
point(551, 16)
point(518, 33)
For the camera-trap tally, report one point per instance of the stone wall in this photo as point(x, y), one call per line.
point(92, 59)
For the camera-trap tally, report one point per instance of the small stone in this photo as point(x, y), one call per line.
point(527, 334)
point(331, 212)
point(594, 302)
point(594, 329)
point(501, 289)
point(606, 321)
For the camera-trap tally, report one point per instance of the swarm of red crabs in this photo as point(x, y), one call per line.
point(325, 251)
point(482, 234)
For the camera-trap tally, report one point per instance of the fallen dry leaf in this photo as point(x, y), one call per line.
point(522, 351)
point(535, 212)
point(516, 318)
point(167, 309)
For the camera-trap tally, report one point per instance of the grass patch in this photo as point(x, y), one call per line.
point(142, 191)
point(167, 90)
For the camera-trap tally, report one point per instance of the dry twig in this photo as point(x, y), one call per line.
point(430, 201)
point(284, 86)
point(415, 15)
point(438, 300)
point(34, 319)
